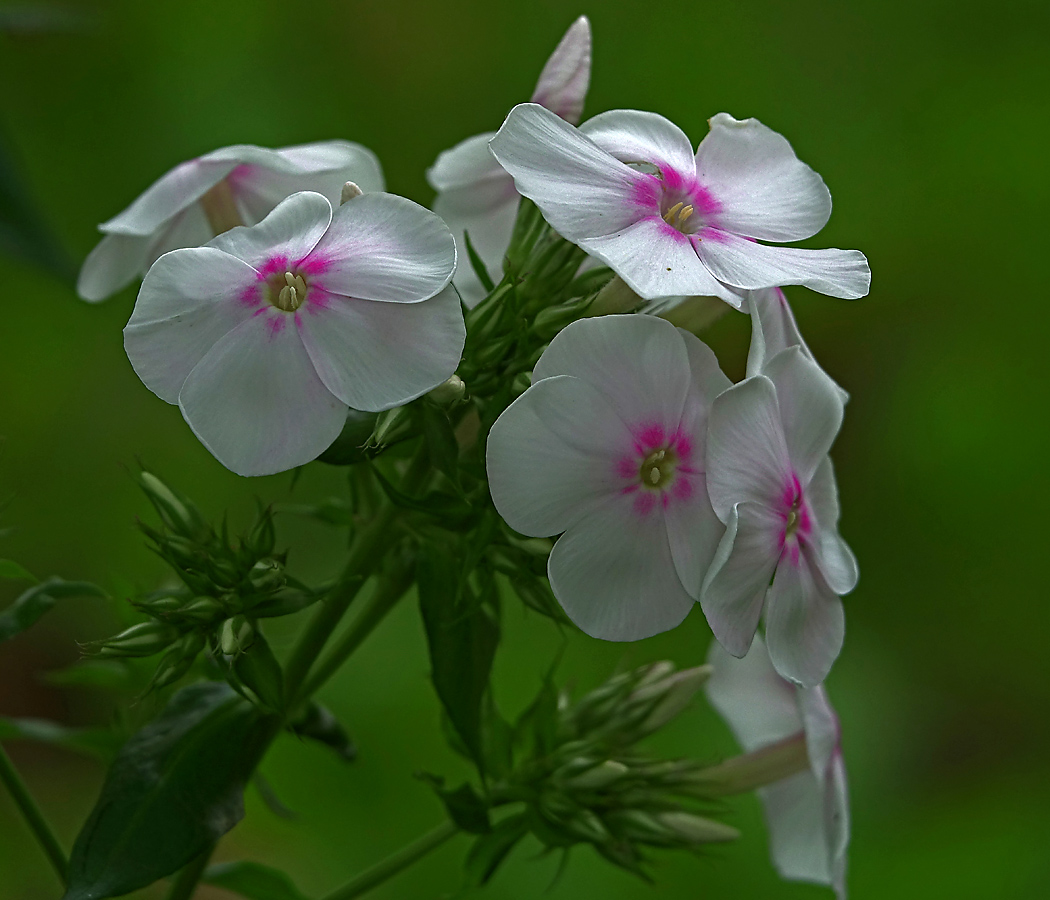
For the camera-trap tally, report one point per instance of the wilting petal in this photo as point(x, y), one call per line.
point(735, 588)
point(374, 356)
point(758, 705)
point(582, 191)
point(256, 402)
point(747, 264)
point(634, 136)
point(563, 83)
point(764, 189)
point(613, 573)
point(805, 624)
point(639, 363)
point(551, 456)
point(384, 247)
point(810, 408)
point(747, 457)
point(657, 261)
point(283, 238)
point(188, 301)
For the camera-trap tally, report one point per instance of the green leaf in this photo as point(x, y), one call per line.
point(318, 724)
point(253, 880)
point(449, 509)
point(107, 674)
point(175, 788)
point(491, 849)
point(100, 743)
point(478, 265)
point(25, 611)
point(13, 571)
point(467, 809)
point(462, 641)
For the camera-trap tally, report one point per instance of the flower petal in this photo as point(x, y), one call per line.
point(582, 191)
point(256, 402)
point(657, 261)
point(112, 265)
point(831, 554)
point(747, 457)
point(563, 83)
point(810, 408)
point(374, 356)
point(174, 191)
point(746, 264)
point(284, 237)
point(384, 247)
point(759, 706)
point(798, 841)
point(822, 729)
point(805, 623)
point(635, 136)
point(467, 164)
point(189, 299)
point(764, 189)
point(613, 574)
point(736, 583)
point(639, 364)
point(551, 456)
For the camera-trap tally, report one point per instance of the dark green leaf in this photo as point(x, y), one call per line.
point(109, 674)
point(441, 441)
point(175, 788)
point(491, 849)
point(318, 724)
point(258, 670)
point(100, 743)
point(462, 640)
point(253, 880)
point(285, 603)
point(478, 265)
point(467, 809)
point(25, 611)
point(446, 507)
point(11, 570)
point(269, 796)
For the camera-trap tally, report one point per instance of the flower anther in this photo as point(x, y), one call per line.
point(287, 292)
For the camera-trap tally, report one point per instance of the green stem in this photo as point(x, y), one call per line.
point(384, 597)
point(33, 816)
point(392, 865)
point(186, 881)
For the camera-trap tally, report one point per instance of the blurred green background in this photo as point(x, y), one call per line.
point(928, 120)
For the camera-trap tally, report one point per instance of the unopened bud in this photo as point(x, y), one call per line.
point(349, 192)
point(672, 695)
point(160, 607)
point(694, 829)
point(587, 826)
point(172, 667)
point(598, 777)
point(203, 610)
point(178, 514)
point(448, 392)
point(267, 575)
point(144, 639)
point(693, 313)
point(224, 573)
point(236, 635)
point(615, 297)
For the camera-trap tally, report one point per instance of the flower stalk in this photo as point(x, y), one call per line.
point(33, 816)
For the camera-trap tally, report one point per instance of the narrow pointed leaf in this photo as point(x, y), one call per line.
point(253, 880)
point(25, 611)
point(11, 570)
point(100, 743)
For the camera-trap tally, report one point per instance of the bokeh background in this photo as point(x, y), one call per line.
point(928, 119)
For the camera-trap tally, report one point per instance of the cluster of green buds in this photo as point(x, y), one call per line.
point(573, 775)
point(224, 586)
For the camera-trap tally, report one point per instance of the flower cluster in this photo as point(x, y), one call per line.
point(285, 295)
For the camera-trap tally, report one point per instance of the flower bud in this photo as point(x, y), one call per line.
point(236, 635)
point(598, 777)
point(203, 610)
point(179, 514)
point(173, 665)
point(144, 639)
point(224, 573)
point(267, 575)
point(694, 313)
point(694, 829)
point(349, 192)
point(448, 392)
point(672, 695)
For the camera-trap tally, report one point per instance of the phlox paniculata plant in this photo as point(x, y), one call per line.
point(517, 388)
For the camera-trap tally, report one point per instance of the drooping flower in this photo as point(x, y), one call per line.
point(771, 482)
point(626, 187)
point(203, 197)
point(475, 194)
point(606, 448)
point(265, 336)
point(807, 813)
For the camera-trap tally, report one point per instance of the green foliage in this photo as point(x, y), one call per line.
point(38, 600)
point(14, 572)
point(175, 788)
point(253, 880)
point(99, 743)
point(317, 723)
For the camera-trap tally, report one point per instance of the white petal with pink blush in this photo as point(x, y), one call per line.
point(198, 199)
point(265, 337)
point(606, 448)
point(626, 187)
point(807, 813)
point(770, 480)
point(475, 195)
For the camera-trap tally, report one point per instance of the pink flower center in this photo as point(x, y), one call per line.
point(797, 521)
point(657, 469)
point(680, 200)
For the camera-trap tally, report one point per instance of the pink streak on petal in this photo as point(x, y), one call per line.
point(630, 489)
point(276, 325)
point(251, 295)
point(627, 467)
point(259, 312)
point(315, 265)
point(644, 503)
point(682, 488)
point(273, 266)
point(646, 192)
point(652, 436)
point(317, 299)
point(712, 236)
point(241, 177)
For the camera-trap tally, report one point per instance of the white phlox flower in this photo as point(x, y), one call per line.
point(807, 813)
point(606, 448)
point(475, 194)
point(771, 482)
point(627, 188)
point(265, 336)
point(203, 197)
